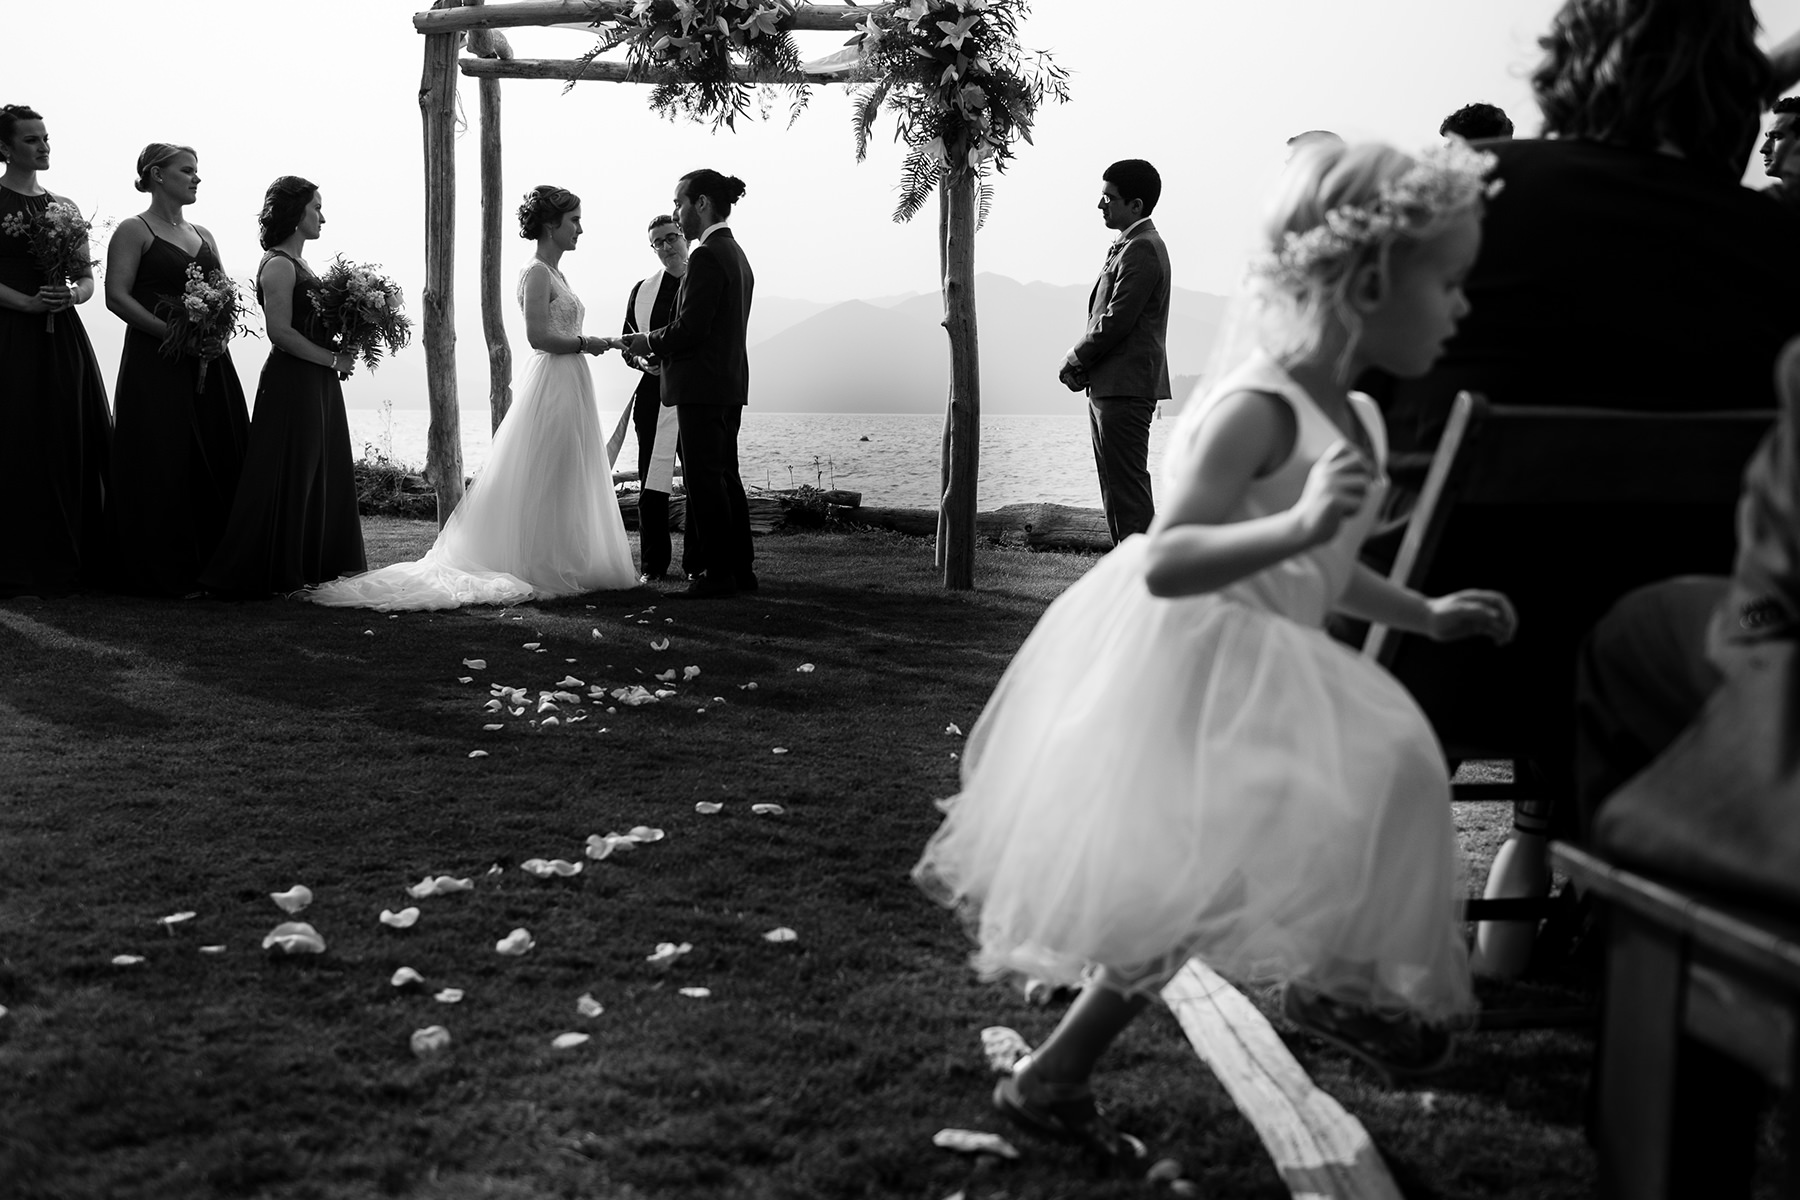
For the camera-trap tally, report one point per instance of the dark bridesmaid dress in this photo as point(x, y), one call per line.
point(176, 452)
point(295, 519)
point(55, 435)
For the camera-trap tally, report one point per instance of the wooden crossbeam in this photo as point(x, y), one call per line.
point(813, 18)
point(612, 72)
point(1320, 1150)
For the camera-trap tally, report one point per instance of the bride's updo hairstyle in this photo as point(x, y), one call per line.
point(544, 206)
point(284, 203)
point(723, 190)
point(1339, 209)
point(10, 116)
point(157, 154)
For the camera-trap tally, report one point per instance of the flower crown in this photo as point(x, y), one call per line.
point(1446, 179)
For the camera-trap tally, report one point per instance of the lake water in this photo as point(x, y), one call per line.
point(891, 458)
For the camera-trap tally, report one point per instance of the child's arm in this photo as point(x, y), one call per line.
point(1248, 433)
point(1471, 613)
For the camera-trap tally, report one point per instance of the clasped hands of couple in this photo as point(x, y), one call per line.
point(634, 346)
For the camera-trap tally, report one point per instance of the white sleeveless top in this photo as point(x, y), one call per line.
point(567, 313)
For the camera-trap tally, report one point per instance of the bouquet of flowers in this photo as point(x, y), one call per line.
point(360, 310)
point(209, 311)
point(58, 237)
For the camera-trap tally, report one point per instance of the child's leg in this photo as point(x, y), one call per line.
point(1068, 1055)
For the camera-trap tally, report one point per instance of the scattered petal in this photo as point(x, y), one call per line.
point(696, 993)
point(532, 645)
point(782, 934)
point(515, 943)
point(578, 717)
point(465, 679)
point(565, 697)
point(707, 808)
point(218, 949)
point(478, 754)
point(449, 996)
point(544, 869)
point(598, 636)
point(430, 1040)
point(569, 681)
point(668, 620)
point(127, 960)
point(443, 885)
point(1004, 1048)
point(568, 1041)
point(496, 869)
point(292, 900)
point(368, 633)
point(644, 834)
point(667, 952)
point(599, 846)
point(492, 726)
point(767, 810)
point(493, 706)
point(475, 664)
point(778, 750)
point(634, 696)
point(294, 937)
point(406, 977)
point(406, 918)
point(519, 711)
point(700, 709)
point(587, 1006)
point(1164, 1170)
point(664, 693)
point(1183, 1187)
point(2, 1010)
point(689, 673)
point(667, 676)
point(661, 644)
point(651, 609)
point(549, 721)
point(953, 729)
point(176, 918)
point(805, 669)
point(974, 1141)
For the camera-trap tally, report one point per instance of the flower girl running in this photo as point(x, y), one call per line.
point(1180, 762)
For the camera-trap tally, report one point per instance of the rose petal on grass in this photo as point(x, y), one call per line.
point(767, 810)
point(430, 1040)
point(443, 885)
point(496, 869)
point(953, 729)
point(565, 697)
point(294, 937)
point(634, 696)
point(660, 644)
point(707, 808)
point(569, 681)
point(475, 664)
point(519, 711)
point(689, 673)
point(644, 834)
point(667, 952)
point(587, 1006)
point(568, 1041)
point(781, 934)
point(448, 996)
point(545, 868)
point(747, 687)
point(598, 636)
point(218, 949)
point(515, 943)
point(974, 1141)
point(292, 900)
point(492, 726)
point(478, 754)
point(805, 669)
point(1183, 1187)
point(696, 993)
point(778, 750)
point(176, 918)
point(406, 977)
point(549, 721)
point(667, 676)
point(1004, 1047)
point(465, 679)
point(532, 645)
point(664, 693)
point(1163, 1170)
point(406, 918)
point(127, 960)
point(368, 633)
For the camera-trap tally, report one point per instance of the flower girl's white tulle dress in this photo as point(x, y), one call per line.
point(1211, 776)
point(541, 520)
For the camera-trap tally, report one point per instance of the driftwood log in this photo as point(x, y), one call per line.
point(1040, 526)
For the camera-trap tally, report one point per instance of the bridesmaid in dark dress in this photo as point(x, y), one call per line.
point(176, 452)
point(55, 429)
point(294, 521)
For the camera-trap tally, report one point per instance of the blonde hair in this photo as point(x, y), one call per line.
point(158, 154)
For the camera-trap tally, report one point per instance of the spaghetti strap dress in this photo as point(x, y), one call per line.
point(55, 434)
point(294, 521)
point(177, 451)
point(1212, 776)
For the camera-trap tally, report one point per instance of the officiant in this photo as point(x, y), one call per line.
point(650, 306)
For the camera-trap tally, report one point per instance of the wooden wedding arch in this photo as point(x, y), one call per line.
point(445, 27)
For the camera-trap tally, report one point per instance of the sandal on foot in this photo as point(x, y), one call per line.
point(1074, 1119)
point(1401, 1047)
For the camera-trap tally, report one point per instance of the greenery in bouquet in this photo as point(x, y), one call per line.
point(959, 86)
point(360, 309)
point(691, 44)
point(57, 237)
point(209, 312)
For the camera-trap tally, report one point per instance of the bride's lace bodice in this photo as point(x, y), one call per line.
point(566, 310)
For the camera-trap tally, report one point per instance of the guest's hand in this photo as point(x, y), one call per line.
point(56, 297)
point(211, 348)
point(1472, 613)
point(344, 363)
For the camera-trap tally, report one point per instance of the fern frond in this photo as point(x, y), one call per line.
point(984, 199)
point(918, 176)
point(866, 106)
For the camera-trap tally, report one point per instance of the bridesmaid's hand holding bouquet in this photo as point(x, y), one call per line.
point(360, 310)
point(207, 314)
point(58, 237)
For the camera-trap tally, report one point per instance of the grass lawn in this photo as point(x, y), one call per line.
point(163, 757)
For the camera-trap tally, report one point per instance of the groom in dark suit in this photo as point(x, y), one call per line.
point(706, 378)
point(1122, 361)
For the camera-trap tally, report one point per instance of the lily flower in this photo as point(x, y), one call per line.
point(955, 33)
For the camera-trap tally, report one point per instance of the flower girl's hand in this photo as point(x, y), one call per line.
point(1472, 613)
point(1335, 488)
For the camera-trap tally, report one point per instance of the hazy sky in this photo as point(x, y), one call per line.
point(1208, 90)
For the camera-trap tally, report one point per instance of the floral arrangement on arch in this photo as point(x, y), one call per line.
point(958, 84)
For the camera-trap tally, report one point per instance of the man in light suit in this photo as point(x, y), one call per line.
point(1123, 362)
point(651, 304)
point(706, 378)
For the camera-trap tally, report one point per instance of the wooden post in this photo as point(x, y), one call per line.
point(958, 514)
point(489, 44)
point(437, 108)
point(950, 392)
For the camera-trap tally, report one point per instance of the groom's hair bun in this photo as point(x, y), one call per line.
point(723, 190)
point(283, 205)
point(544, 206)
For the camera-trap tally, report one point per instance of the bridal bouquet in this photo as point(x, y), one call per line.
point(209, 311)
point(360, 310)
point(58, 237)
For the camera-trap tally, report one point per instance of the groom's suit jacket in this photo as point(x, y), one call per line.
point(1125, 349)
point(703, 348)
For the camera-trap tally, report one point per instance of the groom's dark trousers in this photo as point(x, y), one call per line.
point(706, 376)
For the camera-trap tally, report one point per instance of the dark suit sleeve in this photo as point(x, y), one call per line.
point(631, 309)
point(1139, 272)
point(702, 291)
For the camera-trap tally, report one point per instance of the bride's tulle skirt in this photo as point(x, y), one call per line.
point(540, 521)
point(1158, 779)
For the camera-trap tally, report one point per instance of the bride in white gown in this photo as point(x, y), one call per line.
point(541, 520)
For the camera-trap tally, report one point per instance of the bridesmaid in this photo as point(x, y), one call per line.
point(294, 521)
point(176, 452)
point(55, 429)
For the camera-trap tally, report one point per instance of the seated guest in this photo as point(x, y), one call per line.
point(1781, 151)
point(1475, 121)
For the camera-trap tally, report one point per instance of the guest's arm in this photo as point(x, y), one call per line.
point(1139, 273)
point(702, 292)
